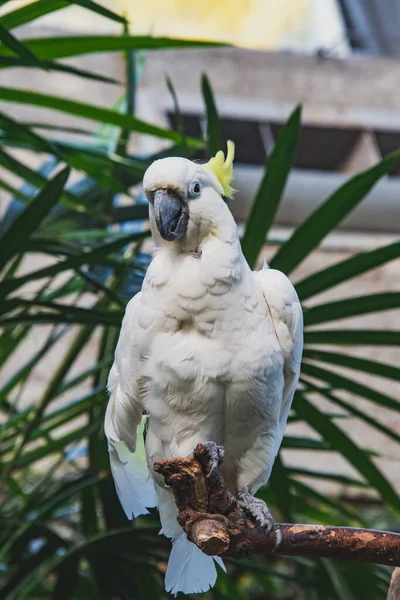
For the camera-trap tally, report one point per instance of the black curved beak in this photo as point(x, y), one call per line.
point(171, 214)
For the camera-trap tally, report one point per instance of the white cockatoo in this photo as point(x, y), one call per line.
point(209, 350)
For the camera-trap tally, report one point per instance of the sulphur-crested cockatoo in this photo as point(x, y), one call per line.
point(208, 349)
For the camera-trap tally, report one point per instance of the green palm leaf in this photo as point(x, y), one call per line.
point(67, 46)
point(343, 383)
point(351, 307)
point(348, 449)
point(89, 111)
point(313, 230)
point(14, 239)
point(346, 269)
point(353, 337)
point(269, 194)
point(100, 10)
point(18, 48)
point(352, 362)
point(214, 132)
point(30, 12)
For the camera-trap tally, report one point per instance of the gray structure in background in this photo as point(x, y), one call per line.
point(373, 26)
point(351, 119)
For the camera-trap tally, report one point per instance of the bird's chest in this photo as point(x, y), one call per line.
point(215, 330)
point(219, 341)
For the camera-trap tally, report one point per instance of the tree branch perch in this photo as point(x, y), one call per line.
point(214, 521)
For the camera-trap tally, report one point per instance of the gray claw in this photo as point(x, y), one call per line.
point(260, 511)
point(216, 454)
point(257, 509)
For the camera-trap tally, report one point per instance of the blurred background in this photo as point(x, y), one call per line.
point(106, 88)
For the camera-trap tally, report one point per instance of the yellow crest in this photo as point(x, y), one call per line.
point(222, 168)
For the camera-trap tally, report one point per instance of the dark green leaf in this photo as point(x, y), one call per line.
point(134, 212)
point(178, 115)
point(225, 587)
point(38, 180)
point(45, 503)
point(313, 230)
point(14, 265)
point(42, 507)
point(305, 443)
point(355, 455)
point(52, 48)
point(108, 545)
point(99, 286)
point(342, 309)
point(338, 580)
point(372, 421)
point(73, 262)
point(16, 193)
point(214, 132)
point(57, 418)
point(65, 314)
point(19, 48)
point(352, 362)
point(271, 188)
point(58, 128)
point(122, 172)
point(23, 132)
point(311, 494)
point(28, 567)
point(336, 477)
point(30, 12)
point(89, 111)
point(67, 578)
point(53, 447)
point(10, 61)
point(100, 10)
point(10, 340)
point(343, 383)
point(353, 337)
point(76, 346)
point(23, 371)
point(128, 107)
point(52, 421)
point(279, 483)
point(71, 383)
point(14, 239)
point(346, 269)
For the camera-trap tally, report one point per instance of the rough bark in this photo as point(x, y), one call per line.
point(394, 590)
point(214, 521)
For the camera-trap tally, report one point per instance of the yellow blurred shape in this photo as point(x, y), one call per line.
point(259, 24)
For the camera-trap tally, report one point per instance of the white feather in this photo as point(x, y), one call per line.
point(287, 316)
point(133, 483)
point(189, 570)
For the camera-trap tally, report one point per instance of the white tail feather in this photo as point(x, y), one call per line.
point(133, 483)
point(189, 570)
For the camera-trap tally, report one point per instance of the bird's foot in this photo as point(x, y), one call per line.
point(216, 454)
point(256, 508)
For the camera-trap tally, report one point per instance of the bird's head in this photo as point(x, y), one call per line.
point(187, 198)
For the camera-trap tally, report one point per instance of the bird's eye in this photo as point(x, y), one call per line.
point(194, 189)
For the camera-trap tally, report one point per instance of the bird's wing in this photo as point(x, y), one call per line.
point(287, 317)
point(124, 421)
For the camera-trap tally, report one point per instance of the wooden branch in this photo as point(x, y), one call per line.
point(214, 521)
point(394, 590)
